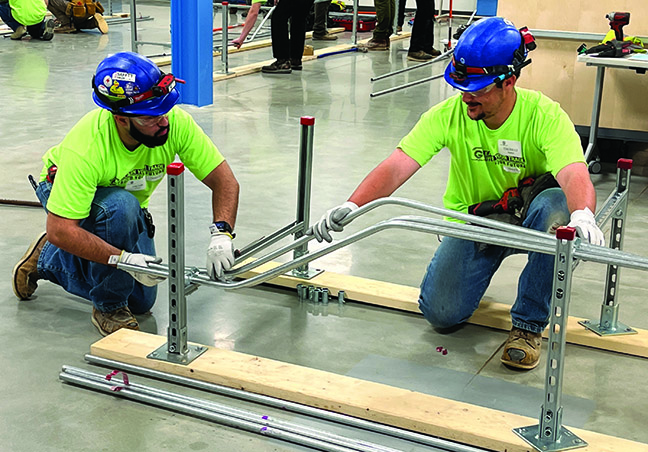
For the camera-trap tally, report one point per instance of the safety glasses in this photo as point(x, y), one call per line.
point(148, 121)
point(481, 92)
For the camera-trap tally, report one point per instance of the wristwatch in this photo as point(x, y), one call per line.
point(222, 226)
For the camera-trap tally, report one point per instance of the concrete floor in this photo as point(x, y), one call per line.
point(254, 120)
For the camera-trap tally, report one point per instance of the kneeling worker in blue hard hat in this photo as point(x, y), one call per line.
point(506, 144)
point(96, 185)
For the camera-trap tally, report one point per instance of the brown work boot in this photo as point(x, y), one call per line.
point(109, 322)
point(522, 349)
point(419, 55)
point(377, 44)
point(325, 37)
point(278, 67)
point(25, 273)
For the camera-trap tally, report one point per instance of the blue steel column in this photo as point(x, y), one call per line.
point(192, 49)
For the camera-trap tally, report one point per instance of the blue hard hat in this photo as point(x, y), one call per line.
point(489, 50)
point(130, 84)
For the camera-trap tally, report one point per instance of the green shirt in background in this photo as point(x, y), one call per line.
point(28, 12)
point(92, 155)
point(537, 137)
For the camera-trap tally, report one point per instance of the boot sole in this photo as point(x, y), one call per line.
point(28, 255)
point(518, 365)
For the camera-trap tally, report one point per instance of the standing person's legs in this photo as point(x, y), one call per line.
point(280, 40)
point(456, 280)
point(420, 48)
point(321, 18)
point(300, 10)
point(115, 217)
point(400, 20)
point(385, 10)
point(279, 30)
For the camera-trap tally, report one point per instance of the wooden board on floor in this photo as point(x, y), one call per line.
point(166, 60)
point(491, 314)
point(389, 405)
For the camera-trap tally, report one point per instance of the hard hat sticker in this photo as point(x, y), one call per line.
point(125, 76)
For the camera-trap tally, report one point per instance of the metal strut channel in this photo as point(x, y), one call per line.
point(615, 208)
point(550, 435)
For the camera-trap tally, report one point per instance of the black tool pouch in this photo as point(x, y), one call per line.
point(148, 219)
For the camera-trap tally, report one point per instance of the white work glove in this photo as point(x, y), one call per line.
point(141, 260)
point(220, 254)
point(330, 221)
point(585, 224)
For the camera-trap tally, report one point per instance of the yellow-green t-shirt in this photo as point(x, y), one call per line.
point(92, 155)
point(537, 137)
point(28, 12)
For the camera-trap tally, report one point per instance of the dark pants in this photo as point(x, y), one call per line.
point(385, 12)
point(321, 18)
point(283, 46)
point(423, 30)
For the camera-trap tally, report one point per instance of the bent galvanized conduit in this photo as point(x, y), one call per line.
point(544, 243)
point(285, 405)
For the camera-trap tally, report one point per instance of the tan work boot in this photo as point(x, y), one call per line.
point(109, 322)
point(102, 25)
point(325, 37)
point(378, 44)
point(25, 273)
point(19, 33)
point(522, 349)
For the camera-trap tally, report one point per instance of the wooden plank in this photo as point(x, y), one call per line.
point(455, 421)
point(256, 67)
point(490, 314)
point(166, 60)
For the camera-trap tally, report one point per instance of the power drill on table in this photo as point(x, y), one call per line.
point(617, 21)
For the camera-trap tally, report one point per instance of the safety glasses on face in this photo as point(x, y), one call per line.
point(148, 121)
point(481, 92)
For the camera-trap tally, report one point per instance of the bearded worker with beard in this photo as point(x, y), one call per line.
point(501, 139)
point(96, 185)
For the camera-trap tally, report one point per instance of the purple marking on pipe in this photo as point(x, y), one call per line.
point(444, 352)
point(265, 418)
point(439, 349)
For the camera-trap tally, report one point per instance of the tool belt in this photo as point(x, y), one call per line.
point(514, 204)
point(83, 9)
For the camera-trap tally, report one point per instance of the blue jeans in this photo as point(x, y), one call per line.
point(117, 218)
point(7, 18)
point(461, 271)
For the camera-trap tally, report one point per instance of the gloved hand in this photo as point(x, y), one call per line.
point(585, 224)
point(330, 221)
point(220, 254)
point(141, 260)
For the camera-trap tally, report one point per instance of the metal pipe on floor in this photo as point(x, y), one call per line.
point(417, 66)
point(233, 417)
point(285, 405)
point(406, 85)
